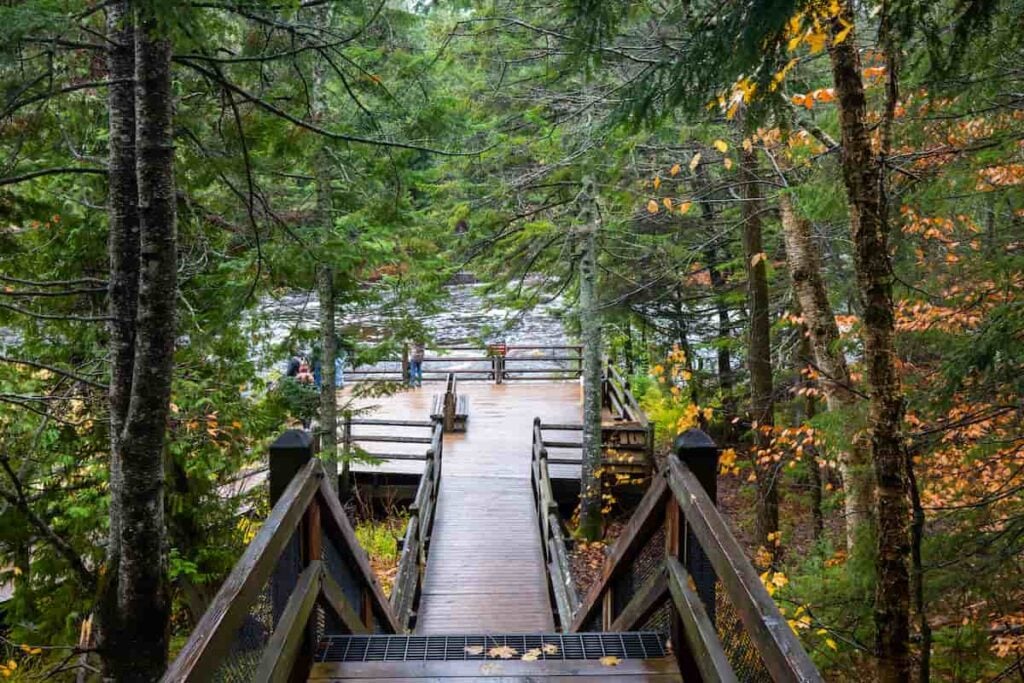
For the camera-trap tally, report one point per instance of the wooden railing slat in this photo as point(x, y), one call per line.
point(403, 593)
point(641, 525)
point(705, 648)
point(335, 598)
point(281, 652)
point(561, 561)
point(780, 649)
point(212, 637)
point(643, 603)
point(339, 526)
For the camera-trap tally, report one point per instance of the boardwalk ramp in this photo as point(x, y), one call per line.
point(483, 591)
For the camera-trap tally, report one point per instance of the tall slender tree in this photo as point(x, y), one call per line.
point(588, 223)
point(135, 608)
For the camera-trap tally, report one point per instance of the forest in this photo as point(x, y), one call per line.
point(797, 225)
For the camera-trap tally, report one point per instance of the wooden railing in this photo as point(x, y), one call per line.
point(412, 561)
point(676, 566)
point(553, 535)
point(352, 440)
point(304, 568)
point(481, 363)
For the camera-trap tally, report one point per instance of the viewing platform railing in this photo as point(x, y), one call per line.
point(496, 363)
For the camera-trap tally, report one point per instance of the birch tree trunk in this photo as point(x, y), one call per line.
point(325, 277)
point(759, 353)
point(136, 602)
point(864, 178)
point(819, 319)
point(590, 332)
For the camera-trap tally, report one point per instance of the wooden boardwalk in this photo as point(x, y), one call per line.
point(485, 570)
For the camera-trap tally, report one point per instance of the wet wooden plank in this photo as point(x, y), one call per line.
point(662, 669)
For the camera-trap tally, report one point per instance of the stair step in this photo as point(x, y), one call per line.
point(640, 656)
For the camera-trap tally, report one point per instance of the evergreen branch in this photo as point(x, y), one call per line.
point(11, 180)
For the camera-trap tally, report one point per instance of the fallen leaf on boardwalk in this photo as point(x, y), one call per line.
point(502, 652)
point(474, 649)
point(531, 655)
point(550, 649)
point(610, 660)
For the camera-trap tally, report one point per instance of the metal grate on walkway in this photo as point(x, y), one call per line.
point(570, 646)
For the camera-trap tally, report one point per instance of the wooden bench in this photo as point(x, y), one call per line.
point(450, 408)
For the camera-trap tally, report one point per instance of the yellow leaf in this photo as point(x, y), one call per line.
point(747, 144)
point(652, 206)
point(793, 43)
point(694, 161)
point(842, 35)
point(474, 649)
point(730, 114)
point(657, 182)
point(674, 171)
point(816, 41)
point(685, 207)
point(550, 649)
point(668, 203)
point(727, 162)
point(757, 258)
point(531, 655)
point(502, 652)
point(610, 660)
point(722, 146)
point(12, 665)
point(831, 643)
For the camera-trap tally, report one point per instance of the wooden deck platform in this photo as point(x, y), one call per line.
point(509, 408)
point(485, 571)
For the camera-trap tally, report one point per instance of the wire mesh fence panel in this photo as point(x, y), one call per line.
point(739, 648)
point(243, 657)
point(339, 568)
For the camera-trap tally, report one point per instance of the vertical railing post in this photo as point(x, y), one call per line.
point(696, 449)
point(288, 455)
point(345, 478)
point(405, 363)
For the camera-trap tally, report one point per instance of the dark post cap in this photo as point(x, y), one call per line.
point(693, 442)
point(293, 440)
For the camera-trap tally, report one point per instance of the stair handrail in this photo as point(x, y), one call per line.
point(412, 560)
point(700, 555)
point(553, 535)
point(289, 560)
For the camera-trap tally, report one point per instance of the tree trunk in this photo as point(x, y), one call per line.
point(590, 333)
point(805, 355)
point(819, 319)
point(122, 242)
point(136, 634)
point(325, 279)
point(864, 177)
point(759, 353)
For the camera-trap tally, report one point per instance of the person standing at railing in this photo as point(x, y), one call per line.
point(416, 364)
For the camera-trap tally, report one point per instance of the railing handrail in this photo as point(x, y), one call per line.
point(678, 501)
point(200, 656)
point(554, 546)
point(781, 651)
point(416, 542)
point(309, 506)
